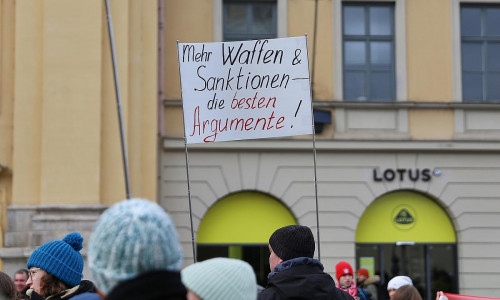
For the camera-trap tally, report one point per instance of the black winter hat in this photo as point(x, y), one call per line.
point(292, 241)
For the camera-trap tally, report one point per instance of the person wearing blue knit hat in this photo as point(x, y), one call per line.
point(55, 269)
point(135, 254)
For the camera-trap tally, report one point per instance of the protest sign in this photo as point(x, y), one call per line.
point(245, 90)
point(466, 297)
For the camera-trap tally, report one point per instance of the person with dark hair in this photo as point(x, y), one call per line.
point(406, 292)
point(7, 288)
point(20, 278)
point(55, 269)
point(370, 283)
point(295, 274)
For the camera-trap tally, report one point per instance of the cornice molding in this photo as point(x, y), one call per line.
point(303, 145)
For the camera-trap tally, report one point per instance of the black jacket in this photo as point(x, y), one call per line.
point(156, 285)
point(299, 279)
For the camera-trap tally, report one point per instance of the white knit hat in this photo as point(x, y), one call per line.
point(131, 238)
point(398, 281)
point(221, 279)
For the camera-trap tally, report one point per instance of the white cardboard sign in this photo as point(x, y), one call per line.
point(245, 90)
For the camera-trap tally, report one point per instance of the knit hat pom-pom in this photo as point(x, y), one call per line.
point(75, 240)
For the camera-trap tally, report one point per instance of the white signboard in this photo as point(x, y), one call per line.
point(245, 90)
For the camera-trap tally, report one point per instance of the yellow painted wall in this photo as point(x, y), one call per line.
point(300, 22)
point(173, 125)
point(429, 50)
point(64, 126)
point(435, 124)
point(6, 106)
point(6, 83)
point(27, 102)
point(185, 21)
point(70, 94)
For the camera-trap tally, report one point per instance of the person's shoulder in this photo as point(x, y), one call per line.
point(269, 293)
point(375, 279)
point(341, 295)
point(86, 296)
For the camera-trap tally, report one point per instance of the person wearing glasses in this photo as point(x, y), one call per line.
point(55, 270)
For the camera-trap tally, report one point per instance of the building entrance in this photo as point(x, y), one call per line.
point(239, 226)
point(407, 233)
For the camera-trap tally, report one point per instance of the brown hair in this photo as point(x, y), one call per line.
point(406, 292)
point(23, 271)
point(7, 288)
point(50, 285)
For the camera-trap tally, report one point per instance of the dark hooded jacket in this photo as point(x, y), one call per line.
point(301, 278)
point(155, 285)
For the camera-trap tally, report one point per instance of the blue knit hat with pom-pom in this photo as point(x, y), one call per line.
point(61, 259)
point(131, 238)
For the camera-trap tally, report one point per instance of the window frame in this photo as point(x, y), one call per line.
point(367, 39)
point(281, 16)
point(249, 5)
point(401, 93)
point(483, 41)
point(457, 46)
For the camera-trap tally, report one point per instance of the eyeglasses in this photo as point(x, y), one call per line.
point(32, 272)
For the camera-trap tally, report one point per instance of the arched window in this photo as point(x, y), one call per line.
point(239, 226)
point(407, 233)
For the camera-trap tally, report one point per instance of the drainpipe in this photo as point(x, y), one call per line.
point(161, 89)
point(161, 67)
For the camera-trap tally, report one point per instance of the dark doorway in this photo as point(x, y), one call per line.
point(432, 267)
point(256, 255)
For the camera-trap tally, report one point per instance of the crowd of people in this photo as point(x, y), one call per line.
point(134, 253)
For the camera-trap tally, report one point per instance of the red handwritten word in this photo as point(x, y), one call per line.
point(212, 127)
point(252, 103)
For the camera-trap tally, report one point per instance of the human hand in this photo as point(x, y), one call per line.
point(440, 296)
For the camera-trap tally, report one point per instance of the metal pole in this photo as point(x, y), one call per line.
point(189, 199)
point(187, 168)
point(314, 44)
point(315, 34)
point(315, 184)
point(118, 101)
point(315, 175)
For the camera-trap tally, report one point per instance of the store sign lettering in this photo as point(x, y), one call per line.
point(402, 175)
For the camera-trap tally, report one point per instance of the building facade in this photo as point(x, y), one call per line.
point(402, 176)
point(406, 145)
point(60, 143)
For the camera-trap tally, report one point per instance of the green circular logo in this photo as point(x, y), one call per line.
point(403, 217)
